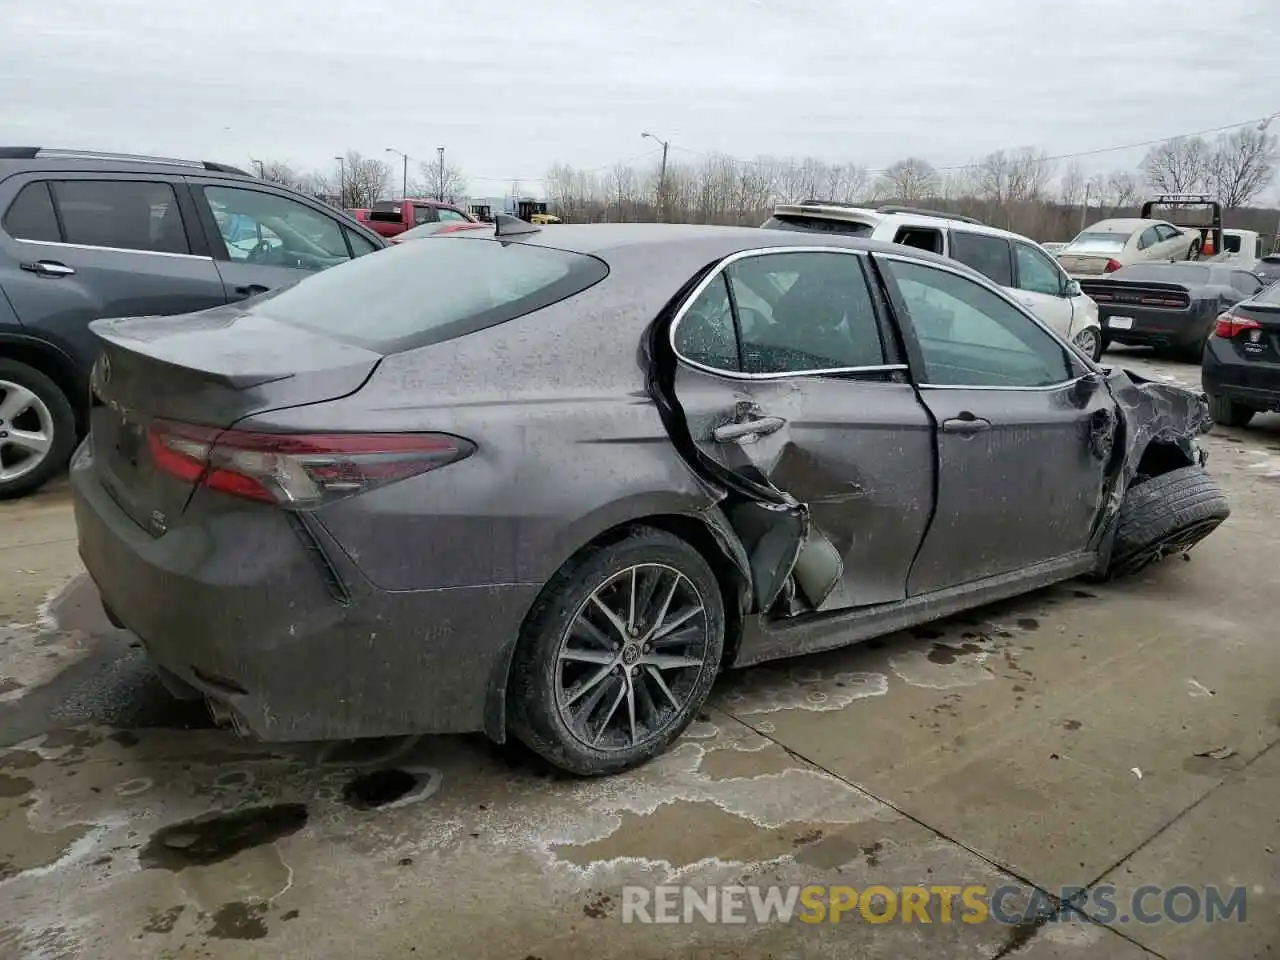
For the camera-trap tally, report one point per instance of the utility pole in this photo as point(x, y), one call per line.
point(404, 178)
point(440, 180)
point(342, 181)
point(662, 175)
point(1084, 209)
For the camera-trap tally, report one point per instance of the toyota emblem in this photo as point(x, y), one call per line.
point(105, 368)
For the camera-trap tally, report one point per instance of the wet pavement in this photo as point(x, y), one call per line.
point(1088, 734)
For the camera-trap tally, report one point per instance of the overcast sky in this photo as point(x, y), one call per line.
point(509, 88)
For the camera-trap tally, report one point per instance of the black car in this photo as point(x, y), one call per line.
point(1241, 367)
point(88, 235)
point(1170, 305)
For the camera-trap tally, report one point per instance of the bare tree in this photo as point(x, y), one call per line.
point(368, 179)
point(277, 171)
point(445, 183)
point(1071, 185)
point(1243, 165)
point(1181, 165)
point(1122, 188)
point(911, 179)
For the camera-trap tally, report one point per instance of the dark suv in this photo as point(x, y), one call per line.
point(88, 235)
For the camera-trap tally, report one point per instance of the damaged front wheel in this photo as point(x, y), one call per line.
point(1165, 515)
point(618, 654)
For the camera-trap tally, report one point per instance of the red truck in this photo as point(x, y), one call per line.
point(391, 217)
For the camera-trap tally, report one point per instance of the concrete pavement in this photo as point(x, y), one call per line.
point(1047, 742)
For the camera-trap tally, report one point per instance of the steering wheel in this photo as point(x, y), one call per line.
point(259, 252)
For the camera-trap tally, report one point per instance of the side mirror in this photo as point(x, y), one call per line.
point(1072, 289)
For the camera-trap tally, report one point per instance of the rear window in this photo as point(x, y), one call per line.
point(1270, 296)
point(430, 291)
point(1098, 243)
point(386, 211)
point(791, 221)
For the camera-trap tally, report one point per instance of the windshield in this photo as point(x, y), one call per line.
point(1098, 243)
point(792, 221)
point(420, 293)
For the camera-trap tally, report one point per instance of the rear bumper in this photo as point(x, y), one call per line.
point(1224, 373)
point(237, 608)
point(1163, 329)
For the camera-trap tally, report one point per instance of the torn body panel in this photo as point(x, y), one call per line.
point(1149, 413)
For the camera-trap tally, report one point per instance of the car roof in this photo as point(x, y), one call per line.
point(713, 242)
point(50, 159)
point(837, 211)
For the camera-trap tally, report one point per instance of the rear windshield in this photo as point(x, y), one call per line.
point(1270, 296)
point(1098, 243)
point(1165, 273)
point(430, 291)
point(791, 221)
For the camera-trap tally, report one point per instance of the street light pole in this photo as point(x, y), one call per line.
point(342, 181)
point(440, 179)
point(662, 175)
point(261, 170)
point(1262, 129)
point(404, 179)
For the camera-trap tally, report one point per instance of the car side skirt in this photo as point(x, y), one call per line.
point(764, 639)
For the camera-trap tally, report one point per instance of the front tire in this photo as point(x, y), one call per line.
point(1090, 342)
point(1165, 515)
point(37, 429)
point(1229, 413)
point(618, 654)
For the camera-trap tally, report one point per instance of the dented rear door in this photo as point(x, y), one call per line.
point(786, 383)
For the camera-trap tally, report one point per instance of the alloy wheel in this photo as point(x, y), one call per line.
point(631, 658)
point(26, 430)
point(1089, 344)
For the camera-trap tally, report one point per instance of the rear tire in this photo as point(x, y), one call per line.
point(1089, 340)
point(1194, 252)
point(1165, 515)
point(1229, 413)
point(31, 406)
point(559, 696)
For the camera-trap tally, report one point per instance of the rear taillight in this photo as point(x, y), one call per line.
point(297, 470)
point(1112, 265)
point(1229, 325)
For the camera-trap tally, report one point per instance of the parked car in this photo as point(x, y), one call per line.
point(392, 217)
point(1240, 370)
point(553, 481)
point(1054, 246)
point(1108, 245)
point(1016, 263)
point(1168, 305)
point(1268, 268)
point(87, 235)
point(436, 228)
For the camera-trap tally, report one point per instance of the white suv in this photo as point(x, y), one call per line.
point(1022, 267)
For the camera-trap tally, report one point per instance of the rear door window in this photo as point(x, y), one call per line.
point(121, 214)
point(426, 292)
point(705, 334)
point(1150, 237)
point(450, 216)
point(31, 216)
point(1036, 272)
point(1245, 282)
point(988, 255)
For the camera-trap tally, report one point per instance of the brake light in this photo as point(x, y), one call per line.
point(297, 470)
point(1229, 325)
point(1112, 265)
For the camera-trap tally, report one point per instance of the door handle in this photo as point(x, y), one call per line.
point(966, 422)
point(251, 290)
point(747, 430)
point(48, 268)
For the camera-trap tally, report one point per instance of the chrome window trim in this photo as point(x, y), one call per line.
point(723, 265)
point(994, 287)
point(87, 246)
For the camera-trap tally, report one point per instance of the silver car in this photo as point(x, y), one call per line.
point(553, 482)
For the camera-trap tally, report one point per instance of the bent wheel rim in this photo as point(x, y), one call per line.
point(26, 431)
point(631, 658)
point(1179, 541)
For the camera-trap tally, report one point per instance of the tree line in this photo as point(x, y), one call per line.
point(1023, 190)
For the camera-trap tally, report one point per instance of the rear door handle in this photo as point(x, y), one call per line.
point(747, 431)
point(48, 268)
point(251, 290)
point(965, 423)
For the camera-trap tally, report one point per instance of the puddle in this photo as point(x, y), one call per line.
point(377, 789)
point(216, 837)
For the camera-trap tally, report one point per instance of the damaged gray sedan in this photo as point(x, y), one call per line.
point(553, 482)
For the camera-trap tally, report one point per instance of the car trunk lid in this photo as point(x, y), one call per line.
point(1261, 343)
point(208, 369)
point(1084, 264)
